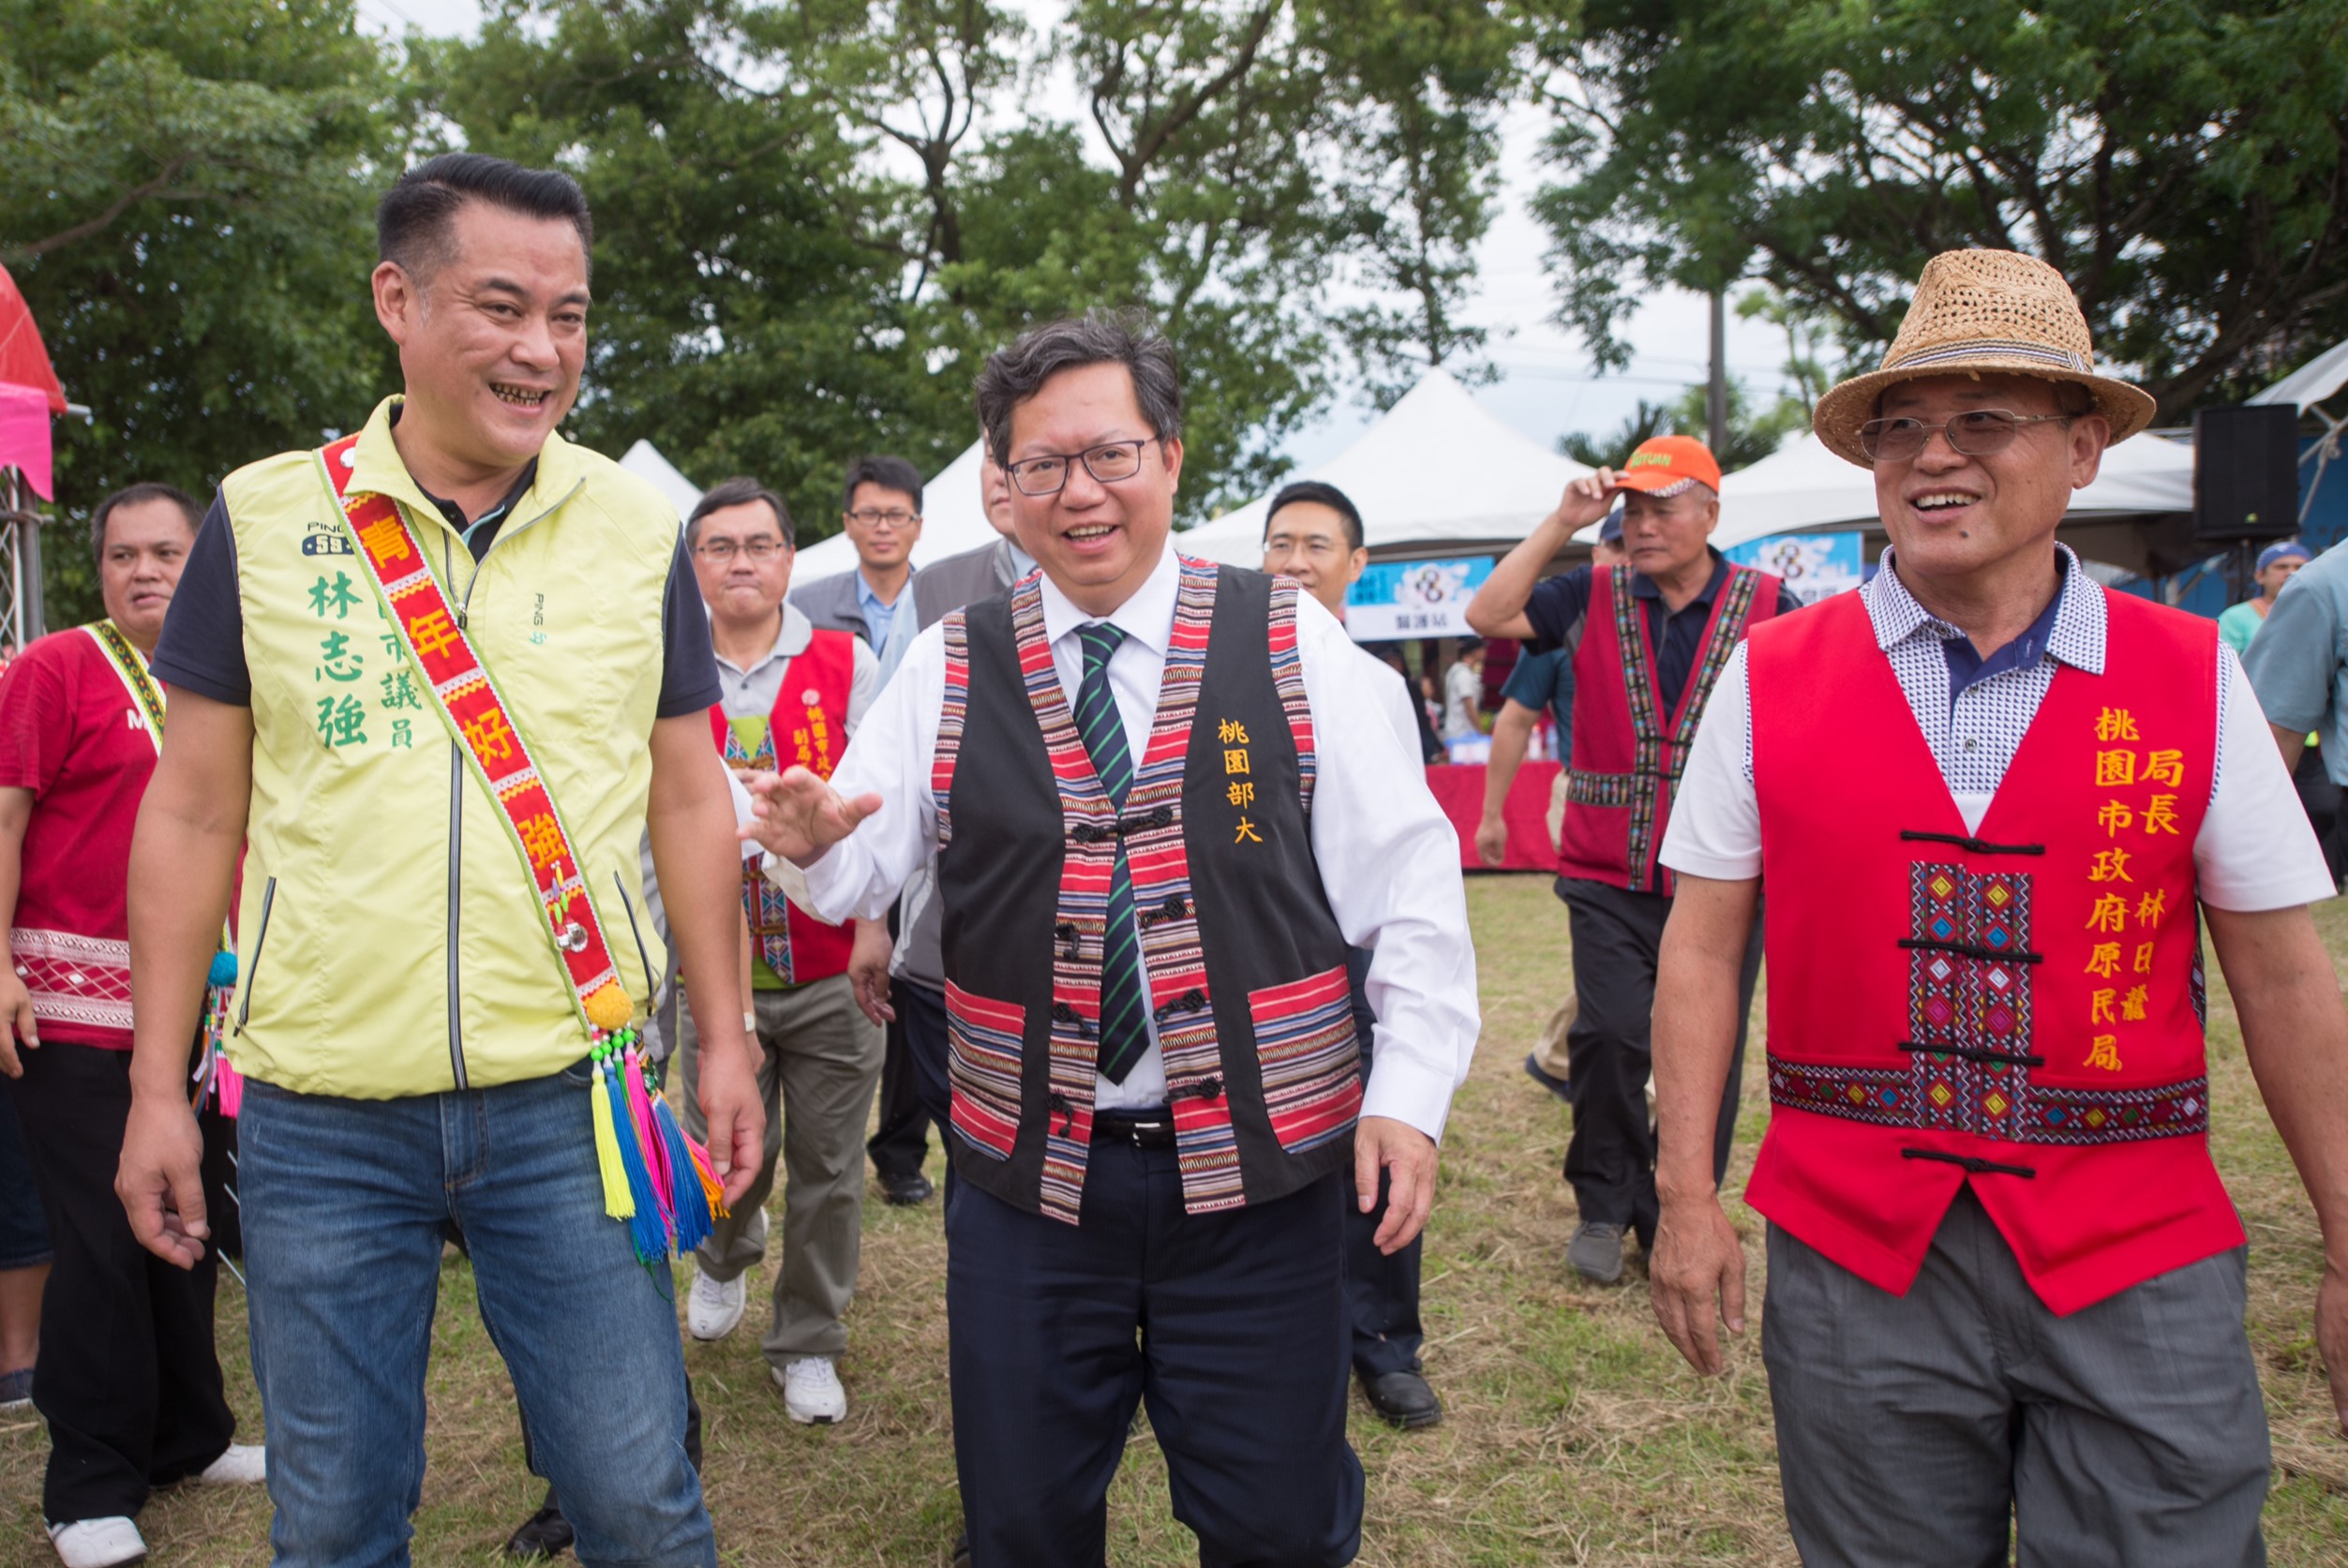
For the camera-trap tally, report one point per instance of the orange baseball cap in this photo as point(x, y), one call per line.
point(1666, 465)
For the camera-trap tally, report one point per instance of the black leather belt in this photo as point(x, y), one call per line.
point(1143, 1129)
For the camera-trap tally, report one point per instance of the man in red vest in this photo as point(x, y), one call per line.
point(792, 694)
point(1995, 804)
point(1650, 637)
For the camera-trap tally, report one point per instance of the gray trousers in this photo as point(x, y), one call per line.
point(818, 1060)
point(1910, 1427)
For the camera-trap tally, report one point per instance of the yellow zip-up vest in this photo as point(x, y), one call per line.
point(392, 943)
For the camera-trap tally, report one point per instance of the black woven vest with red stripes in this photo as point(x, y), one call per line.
point(1245, 962)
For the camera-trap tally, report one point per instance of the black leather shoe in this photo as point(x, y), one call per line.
point(905, 1192)
point(1403, 1399)
point(962, 1550)
point(545, 1533)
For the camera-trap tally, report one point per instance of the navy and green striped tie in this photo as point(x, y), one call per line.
point(1123, 992)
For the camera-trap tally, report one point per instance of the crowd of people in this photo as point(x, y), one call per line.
point(490, 797)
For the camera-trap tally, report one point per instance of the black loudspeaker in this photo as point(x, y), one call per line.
point(2246, 472)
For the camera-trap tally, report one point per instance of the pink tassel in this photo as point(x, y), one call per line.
point(648, 1135)
point(228, 1084)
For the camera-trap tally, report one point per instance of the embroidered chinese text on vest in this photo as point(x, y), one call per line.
point(1244, 966)
point(2018, 1006)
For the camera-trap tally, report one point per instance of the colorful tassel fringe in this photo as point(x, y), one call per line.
point(655, 1177)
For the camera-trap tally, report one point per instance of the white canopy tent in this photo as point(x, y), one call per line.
point(2310, 384)
point(1804, 488)
point(953, 519)
point(1435, 471)
point(645, 461)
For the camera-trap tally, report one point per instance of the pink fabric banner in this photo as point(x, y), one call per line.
point(24, 439)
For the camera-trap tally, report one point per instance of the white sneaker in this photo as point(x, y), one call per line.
point(98, 1543)
point(240, 1463)
point(812, 1391)
point(713, 1309)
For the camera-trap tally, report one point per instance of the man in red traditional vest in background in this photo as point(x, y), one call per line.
point(1651, 638)
point(1987, 795)
point(793, 695)
point(128, 1380)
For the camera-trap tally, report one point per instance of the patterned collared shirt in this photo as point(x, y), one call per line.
point(1975, 733)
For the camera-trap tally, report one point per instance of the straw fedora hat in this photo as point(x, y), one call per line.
point(1978, 311)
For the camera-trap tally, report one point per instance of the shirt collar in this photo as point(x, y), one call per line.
point(2076, 638)
point(870, 600)
point(1643, 586)
point(377, 470)
point(1146, 616)
point(789, 642)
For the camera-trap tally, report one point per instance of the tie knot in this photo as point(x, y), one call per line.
point(1101, 640)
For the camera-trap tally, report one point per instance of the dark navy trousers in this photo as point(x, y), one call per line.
point(1229, 1328)
point(1381, 1291)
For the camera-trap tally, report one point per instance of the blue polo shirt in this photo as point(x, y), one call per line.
point(2298, 662)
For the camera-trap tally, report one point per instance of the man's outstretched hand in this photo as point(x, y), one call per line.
point(798, 816)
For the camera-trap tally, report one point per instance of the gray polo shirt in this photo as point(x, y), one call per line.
point(2298, 662)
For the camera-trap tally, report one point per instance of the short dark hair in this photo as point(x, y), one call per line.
point(1012, 375)
point(1326, 495)
point(136, 495)
point(740, 491)
point(412, 218)
point(890, 474)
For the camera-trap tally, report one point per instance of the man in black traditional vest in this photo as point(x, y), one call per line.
point(1165, 801)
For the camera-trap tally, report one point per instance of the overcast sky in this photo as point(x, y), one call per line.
point(1548, 387)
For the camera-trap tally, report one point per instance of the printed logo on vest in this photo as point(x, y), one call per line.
point(325, 539)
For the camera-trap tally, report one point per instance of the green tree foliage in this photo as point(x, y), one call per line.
point(2183, 165)
point(1753, 433)
point(816, 218)
point(186, 202)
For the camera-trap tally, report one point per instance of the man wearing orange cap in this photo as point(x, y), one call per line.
point(1995, 805)
point(1650, 637)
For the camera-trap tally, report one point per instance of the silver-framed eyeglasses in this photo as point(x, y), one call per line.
point(760, 551)
point(1110, 463)
point(1976, 433)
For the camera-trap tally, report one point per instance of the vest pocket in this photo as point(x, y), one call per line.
point(1312, 1062)
point(983, 1041)
point(261, 945)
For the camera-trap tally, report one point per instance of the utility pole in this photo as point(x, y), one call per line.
point(1716, 394)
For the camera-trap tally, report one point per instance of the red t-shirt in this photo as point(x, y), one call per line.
point(71, 733)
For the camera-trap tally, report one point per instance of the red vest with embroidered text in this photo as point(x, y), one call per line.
point(1627, 751)
point(2018, 1006)
point(807, 730)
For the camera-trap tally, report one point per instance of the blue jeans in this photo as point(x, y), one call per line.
point(347, 1204)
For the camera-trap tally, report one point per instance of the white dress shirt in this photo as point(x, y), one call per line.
point(1389, 860)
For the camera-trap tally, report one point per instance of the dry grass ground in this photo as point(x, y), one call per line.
point(1574, 1434)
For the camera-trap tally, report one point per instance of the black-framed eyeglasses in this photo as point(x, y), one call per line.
point(1111, 463)
point(1976, 433)
point(758, 550)
point(873, 517)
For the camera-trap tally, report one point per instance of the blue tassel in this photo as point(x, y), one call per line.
point(644, 1225)
point(692, 1207)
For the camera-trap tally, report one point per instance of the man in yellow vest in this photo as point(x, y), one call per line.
point(435, 681)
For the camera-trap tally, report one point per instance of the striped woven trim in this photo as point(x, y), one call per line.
point(1312, 1061)
point(1991, 348)
point(131, 670)
point(1087, 860)
point(1159, 857)
point(949, 722)
point(1288, 679)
